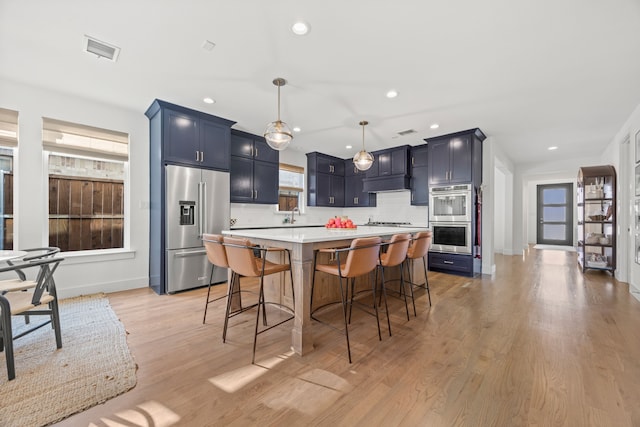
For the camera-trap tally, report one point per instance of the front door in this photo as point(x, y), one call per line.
point(555, 214)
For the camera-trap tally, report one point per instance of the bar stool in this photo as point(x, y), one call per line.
point(359, 259)
point(418, 249)
point(217, 256)
point(394, 256)
point(242, 261)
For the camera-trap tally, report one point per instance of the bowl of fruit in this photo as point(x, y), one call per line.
point(340, 223)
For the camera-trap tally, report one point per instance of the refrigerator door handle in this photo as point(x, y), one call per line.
point(199, 210)
point(189, 253)
point(203, 203)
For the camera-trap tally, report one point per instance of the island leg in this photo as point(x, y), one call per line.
point(302, 265)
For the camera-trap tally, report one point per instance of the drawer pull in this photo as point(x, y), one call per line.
point(448, 262)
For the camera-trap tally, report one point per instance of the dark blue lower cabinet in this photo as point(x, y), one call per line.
point(451, 263)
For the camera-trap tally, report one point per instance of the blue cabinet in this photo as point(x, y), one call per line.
point(192, 138)
point(419, 175)
point(325, 180)
point(451, 263)
point(254, 170)
point(354, 194)
point(185, 137)
point(456, 158)
point(253, 147)
point(390, 170)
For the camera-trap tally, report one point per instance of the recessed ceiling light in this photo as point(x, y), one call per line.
point(552, 148)
point(300, 28)
point(348, 147)
point(434, 126)
point(296, 129)
point(208, 100)
point(392, 93)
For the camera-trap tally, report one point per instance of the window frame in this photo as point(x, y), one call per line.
point(300, 191)
point(92, 155)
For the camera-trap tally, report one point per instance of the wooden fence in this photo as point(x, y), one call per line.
point(84, 214)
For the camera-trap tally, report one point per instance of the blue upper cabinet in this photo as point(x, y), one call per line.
point(254, 169)
point(354, 194)
point(419, 175)
point(191, 137)
point(254, 147)
point(325, 180)
point(456, 158)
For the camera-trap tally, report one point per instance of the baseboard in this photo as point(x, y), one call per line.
point(635, 292)
point(106, 287)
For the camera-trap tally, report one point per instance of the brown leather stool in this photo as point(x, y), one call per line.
point(360, 258)
point(241, 259)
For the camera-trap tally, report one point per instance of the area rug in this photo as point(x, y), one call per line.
point(555, 248)
point(93, 365)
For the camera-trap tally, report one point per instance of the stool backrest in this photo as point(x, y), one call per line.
point(215, 250)
point(396, 250)
point(240, 256)
point(362, 257)
point(420, 245)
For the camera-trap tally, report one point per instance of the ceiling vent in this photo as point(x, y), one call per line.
point(406, 132)
point(101, 49)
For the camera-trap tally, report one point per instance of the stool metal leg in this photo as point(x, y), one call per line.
point(206, 305)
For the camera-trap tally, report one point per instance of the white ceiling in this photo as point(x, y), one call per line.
point(530, 74)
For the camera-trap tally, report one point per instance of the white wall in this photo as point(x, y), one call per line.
point(79, 273)
point(623, 157)
point(499, 185)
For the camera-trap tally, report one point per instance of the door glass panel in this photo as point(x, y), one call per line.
point(554, 232)
point(554, 213)
point(554, 195)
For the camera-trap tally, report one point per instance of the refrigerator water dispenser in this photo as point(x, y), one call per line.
point(187, 216)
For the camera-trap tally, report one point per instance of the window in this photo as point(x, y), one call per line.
point(8, 140)
point(87, 170)
point(291, 188)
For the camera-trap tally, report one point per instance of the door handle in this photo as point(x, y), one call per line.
point(202, 156)
point(189, 253)
point(256, 154)
point(203, 203)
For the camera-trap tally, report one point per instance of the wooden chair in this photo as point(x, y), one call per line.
point(418, 249)
point(243, 262)
point(40, 300)
point(22, 283)
point(359, 259)
point(395, 255)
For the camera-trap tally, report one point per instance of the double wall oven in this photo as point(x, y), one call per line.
point(450, 216)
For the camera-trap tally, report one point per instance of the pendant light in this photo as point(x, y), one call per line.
point(278, 134)
point(363, 160)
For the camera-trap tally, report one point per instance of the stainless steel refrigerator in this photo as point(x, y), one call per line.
point(196, 202)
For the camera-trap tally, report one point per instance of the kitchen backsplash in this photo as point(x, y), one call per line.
point(392, 206)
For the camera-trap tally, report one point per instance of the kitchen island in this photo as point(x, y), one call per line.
point(302, 241)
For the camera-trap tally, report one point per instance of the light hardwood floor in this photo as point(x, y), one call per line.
point(540, 344)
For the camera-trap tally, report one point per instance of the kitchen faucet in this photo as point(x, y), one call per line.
point(293, 211)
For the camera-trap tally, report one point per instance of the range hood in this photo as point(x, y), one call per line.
point(386, 183)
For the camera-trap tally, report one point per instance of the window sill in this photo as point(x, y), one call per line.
point(99, 255)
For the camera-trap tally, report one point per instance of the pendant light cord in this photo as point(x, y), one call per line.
point(278, 101)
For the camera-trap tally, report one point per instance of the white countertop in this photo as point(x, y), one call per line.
point(319, 234)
